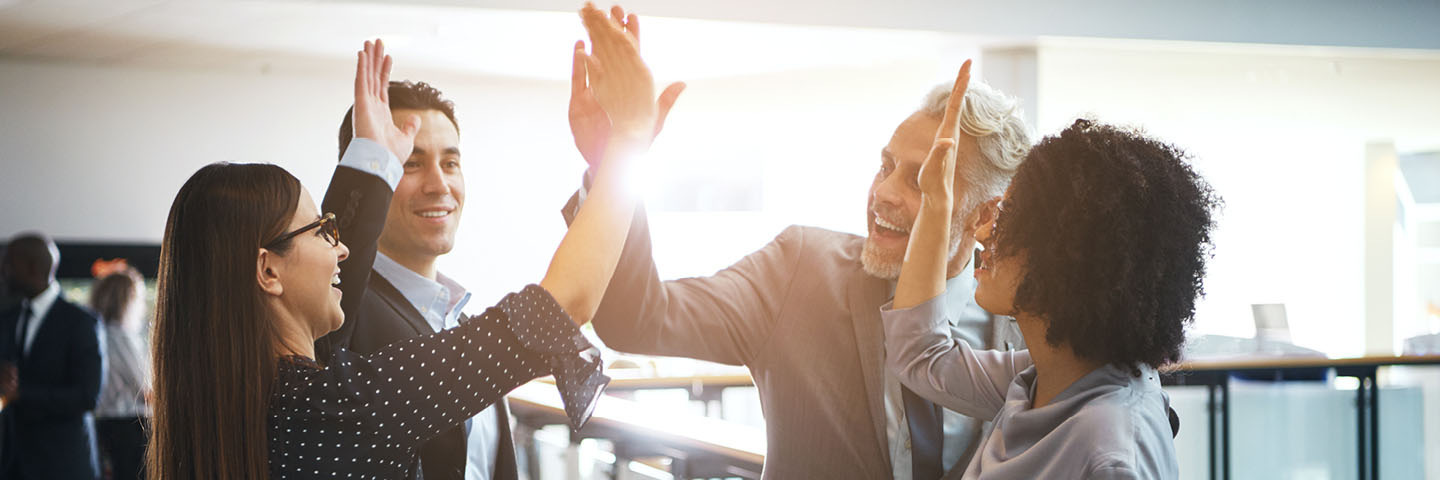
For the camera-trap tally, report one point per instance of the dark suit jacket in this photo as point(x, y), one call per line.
point(378, 315)
point(49, 430)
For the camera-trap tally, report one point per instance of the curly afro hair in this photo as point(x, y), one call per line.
point(1115, 229)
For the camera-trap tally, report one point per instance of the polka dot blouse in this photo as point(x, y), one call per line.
point(365, 417)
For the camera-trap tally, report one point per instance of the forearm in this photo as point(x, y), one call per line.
point(922, 276)
point(922, 353)
point(587, 256)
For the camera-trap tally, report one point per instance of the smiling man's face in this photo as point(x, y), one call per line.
point(895, 196)
point(425, 211)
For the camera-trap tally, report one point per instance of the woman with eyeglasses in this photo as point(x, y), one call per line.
point(1098, 251)
point(248, 280)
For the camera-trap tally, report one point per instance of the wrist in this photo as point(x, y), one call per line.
point(937, 204)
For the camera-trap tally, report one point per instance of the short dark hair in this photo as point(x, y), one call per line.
point(404, 95)
point(1115, 227)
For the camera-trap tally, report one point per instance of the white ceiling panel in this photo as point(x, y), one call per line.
point(245, 34)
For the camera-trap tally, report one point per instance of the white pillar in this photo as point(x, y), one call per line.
point(1012, 70)
point(1380, 170)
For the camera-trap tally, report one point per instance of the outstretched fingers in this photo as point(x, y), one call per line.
point(577, 69)
point(667, 100)
point(950, 123)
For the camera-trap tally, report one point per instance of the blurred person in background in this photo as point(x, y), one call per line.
point(52, 361)
point(123, 413)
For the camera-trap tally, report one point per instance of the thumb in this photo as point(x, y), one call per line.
point(667, 100)
point(412, 126)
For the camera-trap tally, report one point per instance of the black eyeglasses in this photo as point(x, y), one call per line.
point(329, 229)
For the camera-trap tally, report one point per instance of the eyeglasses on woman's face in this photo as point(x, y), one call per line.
point(329, 230)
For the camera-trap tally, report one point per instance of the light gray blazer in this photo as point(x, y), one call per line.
point(804, 317)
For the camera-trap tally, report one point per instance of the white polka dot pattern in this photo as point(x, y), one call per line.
point(365, 417)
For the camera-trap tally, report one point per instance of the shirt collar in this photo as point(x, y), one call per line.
point(40, 305)
point(440, 301)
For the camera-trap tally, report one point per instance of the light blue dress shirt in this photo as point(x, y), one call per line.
point(441, 302)
point(368, 156)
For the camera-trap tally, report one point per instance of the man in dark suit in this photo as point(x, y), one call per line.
point(406, 295)
point(51, 363)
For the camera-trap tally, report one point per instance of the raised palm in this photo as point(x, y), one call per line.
point(372, 118)
point(937, 174)
point(589, 123)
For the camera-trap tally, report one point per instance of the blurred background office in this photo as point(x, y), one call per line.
point(1317, 121)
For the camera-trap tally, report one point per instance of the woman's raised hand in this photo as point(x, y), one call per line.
point(937, 175)
point(922, 276)
point(619, 79)
point(372, 119)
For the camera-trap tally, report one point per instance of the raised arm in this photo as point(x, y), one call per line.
point(363, 182)
point(920, 348)
point(623, 87)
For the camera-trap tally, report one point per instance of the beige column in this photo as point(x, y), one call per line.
point(1380, 170)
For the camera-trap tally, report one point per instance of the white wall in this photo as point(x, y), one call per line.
point(96, 153)
point(1280, 132)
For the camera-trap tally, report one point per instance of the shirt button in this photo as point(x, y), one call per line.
point(374, 165)
point(907, 444)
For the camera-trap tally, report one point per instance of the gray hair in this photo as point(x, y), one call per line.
point(995, 120)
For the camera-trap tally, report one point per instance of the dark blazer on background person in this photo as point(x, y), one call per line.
point(50, 429)
point(380, 315)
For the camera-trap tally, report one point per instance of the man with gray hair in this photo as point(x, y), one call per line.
point(803, 313)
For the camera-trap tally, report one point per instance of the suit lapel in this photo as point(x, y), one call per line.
point(397, 301)
point(505, 466)
point(865, 296)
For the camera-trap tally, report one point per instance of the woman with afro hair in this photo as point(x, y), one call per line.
point(1098, 251)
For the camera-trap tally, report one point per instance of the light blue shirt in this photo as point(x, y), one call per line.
point(367, 156)
point(441, 302)
point(1108, 424)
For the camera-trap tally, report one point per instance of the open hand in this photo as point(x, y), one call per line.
point(620, 82)
point(588, 122)
point(937, 175)
point(372, 117)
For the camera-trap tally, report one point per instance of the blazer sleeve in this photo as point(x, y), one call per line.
point(727, 317)
point(360, 199)
point(86, 364)
point(925, 355)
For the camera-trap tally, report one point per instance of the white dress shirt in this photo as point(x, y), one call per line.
point(441, 302)
point(39, 306)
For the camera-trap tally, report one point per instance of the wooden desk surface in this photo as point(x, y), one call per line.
point(718, 437)
point(623, 379)
point(1261, 363)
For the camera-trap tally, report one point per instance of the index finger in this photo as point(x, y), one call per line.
point(577, 69)
point(949, 124)
point(632, 25)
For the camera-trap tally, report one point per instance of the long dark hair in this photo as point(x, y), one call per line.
point(213, 342)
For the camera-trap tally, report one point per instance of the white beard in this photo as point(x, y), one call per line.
point(882, 264)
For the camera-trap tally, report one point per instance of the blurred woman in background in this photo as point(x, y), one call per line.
point(123, 413)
